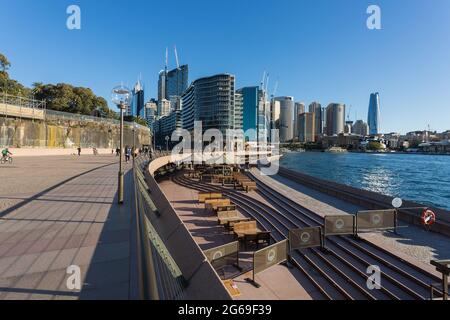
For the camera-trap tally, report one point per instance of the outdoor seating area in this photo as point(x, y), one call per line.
point(241, 180)
point(244, 229)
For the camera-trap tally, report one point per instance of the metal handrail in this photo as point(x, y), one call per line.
point(23, 102)
point(161, 278)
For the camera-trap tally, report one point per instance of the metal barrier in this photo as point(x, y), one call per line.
point(223, 256)
point(196, 279)
point(339, 225)
point(268, 257)
point(161, 278)
point(442, 266)
point(371, 220)
point(305, 238)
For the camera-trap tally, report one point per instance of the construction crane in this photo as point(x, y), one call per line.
point(263, 81)
point(267, 83)
point(167, 58)
point(275, 89)
point(176, 57)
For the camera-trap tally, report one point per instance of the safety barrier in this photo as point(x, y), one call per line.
point(339, 225)
point(174, 265)
point(268, 257)
point(223, 256)
point(305, 238)
point(442, 266)
point(372, 220)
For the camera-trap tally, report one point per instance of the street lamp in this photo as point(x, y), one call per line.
point(167, 143)
point(134, 140)
point(121, 97)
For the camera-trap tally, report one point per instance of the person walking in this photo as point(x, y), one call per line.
point(79, 151)
point(127, 153)
point(117, 152)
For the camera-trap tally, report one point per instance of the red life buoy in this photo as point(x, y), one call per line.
point(428, 217)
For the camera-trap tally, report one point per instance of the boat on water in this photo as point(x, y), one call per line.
point(336, 150)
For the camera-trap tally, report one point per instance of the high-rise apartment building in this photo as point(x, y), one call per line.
point(335, 114)
point(210, 100)
point(373, 118)
point(306, 125)
point(238, 111)
point(316, 108)
point(256, 113)
point(287, 118)
point(299, 108)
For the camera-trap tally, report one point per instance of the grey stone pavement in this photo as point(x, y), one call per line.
point(60, 211)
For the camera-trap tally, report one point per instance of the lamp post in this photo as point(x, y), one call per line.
point(167, 143)
point(121, 96)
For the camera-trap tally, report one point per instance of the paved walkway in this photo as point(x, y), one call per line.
point(61, 211)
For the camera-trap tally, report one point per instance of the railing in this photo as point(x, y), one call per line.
point(52, 115)
point(21, 101)
point(161, 277)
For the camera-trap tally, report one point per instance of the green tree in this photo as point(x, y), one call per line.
point(60, 97)
point(374, 145)
point(4, 63)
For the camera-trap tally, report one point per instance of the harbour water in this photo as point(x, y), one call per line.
point(421, 178)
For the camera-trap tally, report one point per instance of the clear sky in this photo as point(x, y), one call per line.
point(317, 49)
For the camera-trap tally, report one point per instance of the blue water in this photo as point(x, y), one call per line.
point(421, 178)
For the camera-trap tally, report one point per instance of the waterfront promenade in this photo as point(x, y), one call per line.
point(60, 211)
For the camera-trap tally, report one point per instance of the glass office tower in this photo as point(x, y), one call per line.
point(373, 118)
point(177, 81)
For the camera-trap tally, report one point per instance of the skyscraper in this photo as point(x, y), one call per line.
point(335, 119)
point(299, 108)
point(177, 81)
point(238, 111)
point(306, 127)
point(373, 118)
point(163, 108)
point(210, 100)
point(255, 111)
point(162, 85)
point(137, 104)
point(316, 108)
point(150, 112)
point(287, 118)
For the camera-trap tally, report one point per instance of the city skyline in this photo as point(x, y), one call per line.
point(394, 61)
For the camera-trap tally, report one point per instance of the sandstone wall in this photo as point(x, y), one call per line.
point(27, 133)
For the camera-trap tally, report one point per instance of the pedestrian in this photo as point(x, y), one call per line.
point(127, 153)
point(117, 152)
point(79, 151)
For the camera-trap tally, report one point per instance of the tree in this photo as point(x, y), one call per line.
point(375, 145)
point(60, 97)
point(4, 63)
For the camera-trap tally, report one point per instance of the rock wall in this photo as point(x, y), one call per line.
point(24, 133)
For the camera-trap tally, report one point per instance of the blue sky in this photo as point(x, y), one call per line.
point(318, 50)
